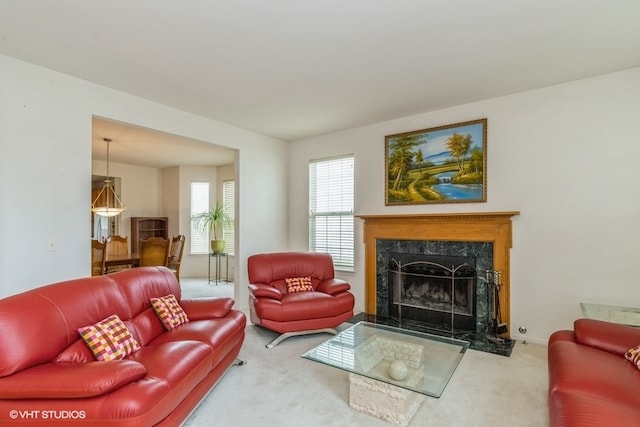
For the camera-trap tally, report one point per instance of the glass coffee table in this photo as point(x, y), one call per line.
point(391, 369)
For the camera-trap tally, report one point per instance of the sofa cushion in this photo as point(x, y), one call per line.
point(180, 364)
point(77, 352)
point(109, 339)
point(207, 308)
point(222, 334)
point(298, 284)
point(169, 311)
point(70, 380)
point(304, 306)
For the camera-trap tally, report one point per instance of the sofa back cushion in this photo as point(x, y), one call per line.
point(139, 285)
point(38, 324)
point(274, 268)
point(41, 325)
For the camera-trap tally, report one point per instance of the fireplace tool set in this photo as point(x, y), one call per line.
point(493, 279)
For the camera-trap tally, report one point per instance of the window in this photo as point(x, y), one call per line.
point(228, 205)
point(199, 203)
point(331, 200)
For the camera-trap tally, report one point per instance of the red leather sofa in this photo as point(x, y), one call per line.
point(590, 381)
point(50, 377)
point(272, 306)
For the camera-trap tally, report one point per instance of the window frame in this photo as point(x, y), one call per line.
point(229, 207)
point(334, 215)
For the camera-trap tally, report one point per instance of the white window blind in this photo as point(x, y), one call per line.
point(228, 205)
point(331, 201)
point(199, 203)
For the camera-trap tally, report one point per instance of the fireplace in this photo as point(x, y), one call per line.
point(464, 246)
point(438, 267)
point(436, 290)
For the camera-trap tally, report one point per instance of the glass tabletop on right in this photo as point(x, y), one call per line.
point(417, 361)
point(612, 313)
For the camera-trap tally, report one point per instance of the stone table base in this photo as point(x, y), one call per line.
point(386, 401)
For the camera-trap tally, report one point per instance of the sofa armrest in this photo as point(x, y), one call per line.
point(207, 308)
point(611, 337)
point(333, 286)
point(260, 290)
point(70, 380)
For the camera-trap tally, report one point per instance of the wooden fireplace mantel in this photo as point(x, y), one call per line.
point(494, 227)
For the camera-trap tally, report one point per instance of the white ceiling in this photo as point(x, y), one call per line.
point(293, 69)
point(147, 147)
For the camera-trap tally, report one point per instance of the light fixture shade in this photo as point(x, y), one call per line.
point(107, 203)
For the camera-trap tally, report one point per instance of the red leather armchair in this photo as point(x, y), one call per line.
point(297, 313)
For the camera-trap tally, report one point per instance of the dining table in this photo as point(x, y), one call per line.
point(132, 260)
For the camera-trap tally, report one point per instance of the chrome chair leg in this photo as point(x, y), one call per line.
point(286, 335)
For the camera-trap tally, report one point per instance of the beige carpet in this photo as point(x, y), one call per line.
point(201, 287)
point(277, 387)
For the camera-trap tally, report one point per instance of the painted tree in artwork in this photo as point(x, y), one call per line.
point(401, 157)
point(420, 159)
point(458, 146)
point(476, 160)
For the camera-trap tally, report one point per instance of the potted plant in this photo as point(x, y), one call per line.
point(214, 221)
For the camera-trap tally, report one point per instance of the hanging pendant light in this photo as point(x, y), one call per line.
point(107, 203)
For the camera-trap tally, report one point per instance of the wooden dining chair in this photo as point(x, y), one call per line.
point(175, 255)
point(154, 251)
point(117, 247)
point(97, 257)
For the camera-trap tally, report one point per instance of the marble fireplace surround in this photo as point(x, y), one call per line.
point(493, 227)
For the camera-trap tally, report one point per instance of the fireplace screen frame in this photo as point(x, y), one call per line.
point(439, 290)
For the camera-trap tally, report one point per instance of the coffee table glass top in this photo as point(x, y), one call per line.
point(417, 361)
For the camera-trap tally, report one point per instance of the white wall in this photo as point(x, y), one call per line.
point(45, 170)
point(226, 173)
point(171, 199)
point(567, 157)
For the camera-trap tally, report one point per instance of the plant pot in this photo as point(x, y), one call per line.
point(217, 246)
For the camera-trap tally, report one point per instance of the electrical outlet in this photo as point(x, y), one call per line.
point(52, 245)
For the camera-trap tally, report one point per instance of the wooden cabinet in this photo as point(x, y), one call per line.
point(144, 227)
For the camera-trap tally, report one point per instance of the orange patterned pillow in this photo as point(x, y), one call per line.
point(633, 356)
point(169, 311)
point(299, 284)
point(109, 339)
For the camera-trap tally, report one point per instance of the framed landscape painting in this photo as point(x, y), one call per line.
point(445, 164)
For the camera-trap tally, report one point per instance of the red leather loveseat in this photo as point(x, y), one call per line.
point(50, 377)
point(591, 383)
point(321, 303)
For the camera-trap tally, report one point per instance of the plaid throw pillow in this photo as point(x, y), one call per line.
point(169, 311)
point(633, 356)
point(109, 339)
point(298, 284)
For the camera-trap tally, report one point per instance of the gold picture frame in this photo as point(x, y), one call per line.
point(444, 164)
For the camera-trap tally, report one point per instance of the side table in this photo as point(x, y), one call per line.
point(218, 257)
point(612, 313)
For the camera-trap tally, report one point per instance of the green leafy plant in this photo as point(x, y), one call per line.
point(214, 221)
